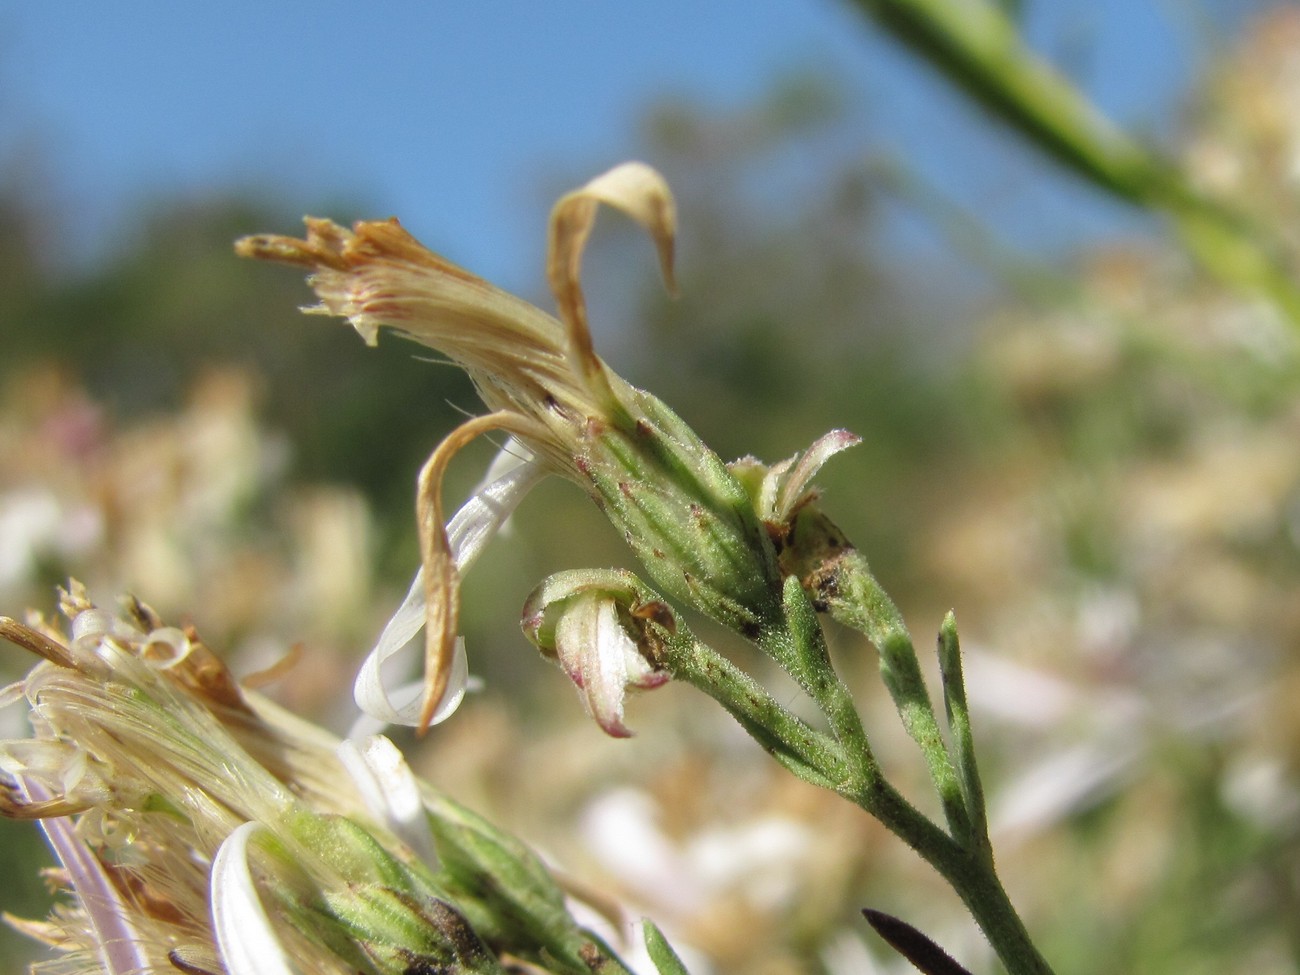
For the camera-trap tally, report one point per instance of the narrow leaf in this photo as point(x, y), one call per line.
point(661, 952)
point(963, 740)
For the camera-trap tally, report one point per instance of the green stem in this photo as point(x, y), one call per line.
point(857, 600)
point(964, 858)
point(977, 46)
point(799, 646)
point(969, 871)
point(842, 583)
point(810, 754)
point(817, 759)
point(975, 881)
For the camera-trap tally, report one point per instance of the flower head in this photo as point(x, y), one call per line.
point(147, 758)
point(200, 828)
point(676, 503)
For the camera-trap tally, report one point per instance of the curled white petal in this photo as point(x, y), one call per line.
point(390, 791)
point(166, 647)
point(401, 629)
point(770, 488)
point(117, 942)
point(92, 626)
point(382, 689)
point(245, 937)
point(389, 700)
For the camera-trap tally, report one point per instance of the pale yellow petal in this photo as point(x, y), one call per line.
point(633, 188)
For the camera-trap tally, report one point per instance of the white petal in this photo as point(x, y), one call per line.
point(405, 623)
point(390, 791)
point(166, 647)
point(486, 510)
point(382, 689)
point(614, 648)
point(771, 488)
point(394, 701)
point(512, 454)
point(118, 943)
point(245, 936)
point(12, 693)
point(37, 759)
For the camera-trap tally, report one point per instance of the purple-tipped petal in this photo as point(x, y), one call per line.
point(600, 656)
point(795, 485)
point(117, 942)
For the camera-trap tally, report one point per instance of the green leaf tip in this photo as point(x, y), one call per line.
point(661, 952)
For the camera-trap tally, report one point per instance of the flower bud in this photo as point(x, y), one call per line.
point(685, 516)
point(783, 498)
point(601, 627)
point(400, 933)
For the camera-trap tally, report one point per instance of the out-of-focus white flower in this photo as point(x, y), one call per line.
point(35, 524)
point(759, 860)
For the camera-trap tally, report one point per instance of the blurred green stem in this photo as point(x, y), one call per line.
point(977, 46)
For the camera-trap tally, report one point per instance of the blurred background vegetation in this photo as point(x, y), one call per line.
point(1092, 454)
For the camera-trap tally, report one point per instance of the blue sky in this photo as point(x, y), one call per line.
point(446, 113)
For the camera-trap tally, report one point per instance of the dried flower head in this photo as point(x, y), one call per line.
point(675, 502)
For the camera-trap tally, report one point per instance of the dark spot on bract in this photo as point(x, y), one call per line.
point(592, 956)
